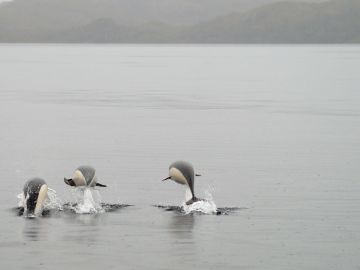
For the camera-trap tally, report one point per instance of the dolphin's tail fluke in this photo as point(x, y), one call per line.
point(193, 199)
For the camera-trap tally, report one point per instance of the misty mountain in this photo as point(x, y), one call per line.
point(336, 21)
point(70, 13)
point(180, 21)
point(36, 20)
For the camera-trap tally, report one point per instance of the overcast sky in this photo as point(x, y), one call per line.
point(239, 0)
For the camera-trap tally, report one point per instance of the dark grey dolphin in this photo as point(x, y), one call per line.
point(182, 172)
point(83, 176)
point(35, 192)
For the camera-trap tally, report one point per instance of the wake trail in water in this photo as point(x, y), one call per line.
point(206, 206)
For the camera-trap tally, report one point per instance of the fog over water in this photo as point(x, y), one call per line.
point(273, 130)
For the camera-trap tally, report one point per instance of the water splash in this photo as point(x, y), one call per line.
point(205, 206)
point(53, 202)
point(87, 201)
point(22, 200)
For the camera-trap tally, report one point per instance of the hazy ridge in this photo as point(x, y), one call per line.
point(174, 21)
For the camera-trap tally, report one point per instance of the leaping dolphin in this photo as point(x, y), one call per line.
point(35, 192)
point(83, 176)
point(182, 173)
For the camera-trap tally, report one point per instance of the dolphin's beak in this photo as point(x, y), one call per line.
point(167, 178)
point(69, 182)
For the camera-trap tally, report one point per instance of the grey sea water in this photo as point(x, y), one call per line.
point(274, 130)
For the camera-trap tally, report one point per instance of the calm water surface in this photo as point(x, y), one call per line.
point(274, 130)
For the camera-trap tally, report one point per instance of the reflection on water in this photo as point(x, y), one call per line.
point(181, 226)
point(181, 230)
point(82, 228)
point(35, 229)
point(80, 219)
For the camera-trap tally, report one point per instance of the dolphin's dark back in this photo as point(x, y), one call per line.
point(88, 172)
point(33, 185)
point(187, 170)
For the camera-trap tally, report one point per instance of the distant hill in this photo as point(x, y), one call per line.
point(70, 13)
point(180, 21)
point(336, 21)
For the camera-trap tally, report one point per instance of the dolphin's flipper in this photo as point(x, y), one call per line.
point(194, 199)
point(100, 185)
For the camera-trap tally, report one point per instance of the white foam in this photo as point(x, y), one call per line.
point(52, 201)
point(22, 200)
point(88, 200)
point(207, 206)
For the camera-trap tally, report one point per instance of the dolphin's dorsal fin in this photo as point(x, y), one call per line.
point(100, 185)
